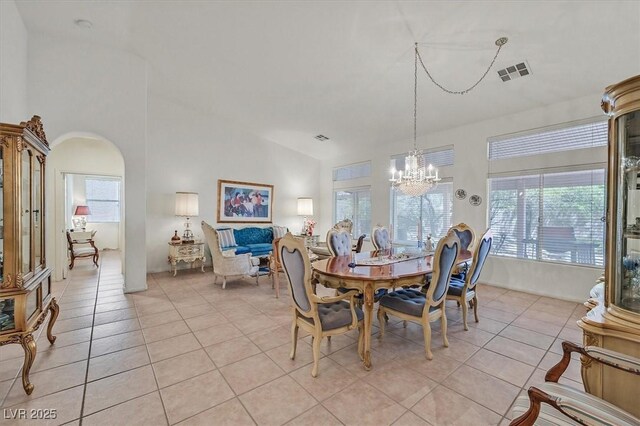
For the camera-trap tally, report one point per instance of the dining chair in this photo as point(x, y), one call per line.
point(464, 290)
point(467, 241)
point(81, 244)
point(553, 403)
point(275, 266)
point(415, 306)
point(339, 242)
point(380, 238)
point(320, 316)
point(359, 243)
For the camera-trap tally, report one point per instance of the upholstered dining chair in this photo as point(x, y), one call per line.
point(275, 266)
point(228, 264)
point(345, 224)
point(467, 241)
point(464, 290)
point(415, 306)
point(81, 244)
point(319, 316)
point(554, 403)
point(359, 243)
point(339, 242)
point(380, 238)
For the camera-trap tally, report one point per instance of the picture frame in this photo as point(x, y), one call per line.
point(244, 202)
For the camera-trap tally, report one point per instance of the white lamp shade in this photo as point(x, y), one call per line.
point(187, 204)
point(305, 206)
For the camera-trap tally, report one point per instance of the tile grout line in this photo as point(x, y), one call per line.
point(86, 374)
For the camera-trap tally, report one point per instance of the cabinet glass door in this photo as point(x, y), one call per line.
point(37, 211)
point(25, 214)
point(628, 213)
point(1, 213)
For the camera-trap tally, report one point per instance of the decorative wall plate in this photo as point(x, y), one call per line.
point(461, 194)
point(475, 200)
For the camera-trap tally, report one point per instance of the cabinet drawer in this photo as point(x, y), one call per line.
point(189, 250)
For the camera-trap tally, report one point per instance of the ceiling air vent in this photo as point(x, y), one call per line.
point(322, 138)
point(514, 71)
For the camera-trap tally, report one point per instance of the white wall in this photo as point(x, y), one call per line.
point(470, 173)
point(191, 151)
point(89, 89)
point(13, 65)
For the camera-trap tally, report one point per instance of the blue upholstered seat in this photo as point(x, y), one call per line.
point(336, 315)
point(408, 301)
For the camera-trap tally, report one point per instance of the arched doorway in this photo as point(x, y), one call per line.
point(77, 165)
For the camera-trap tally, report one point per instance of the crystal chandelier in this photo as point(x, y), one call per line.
point(416, 179)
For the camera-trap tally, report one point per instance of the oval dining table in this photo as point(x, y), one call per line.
point(335, 272)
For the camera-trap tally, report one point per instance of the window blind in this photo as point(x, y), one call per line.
point(589, 135)
point(103, 199)
point(438, 157)
point(433, 211)
point(549, 216)
point(354, 204)
point(352, 171)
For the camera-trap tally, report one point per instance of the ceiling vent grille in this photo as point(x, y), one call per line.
point(514, 71)
point(322, 138)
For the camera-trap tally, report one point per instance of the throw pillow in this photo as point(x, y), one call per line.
point(279, 231)
point(226, 237)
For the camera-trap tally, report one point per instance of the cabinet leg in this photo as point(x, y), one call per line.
point(55, 310)
point(29, 346)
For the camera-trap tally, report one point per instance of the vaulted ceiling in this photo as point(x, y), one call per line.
point(290, 70)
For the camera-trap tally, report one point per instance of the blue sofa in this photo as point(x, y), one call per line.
point(252, 239)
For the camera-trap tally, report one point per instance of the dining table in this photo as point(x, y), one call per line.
point(368, 272)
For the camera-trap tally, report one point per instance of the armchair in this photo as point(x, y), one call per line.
point(319, 316)
point(275, 267)
point(81, 244)
point(228, 265)
point(345, 224)
point(566, 405)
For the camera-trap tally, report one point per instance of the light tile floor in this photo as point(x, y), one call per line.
point(185, 351)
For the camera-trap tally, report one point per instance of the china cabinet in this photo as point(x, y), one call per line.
point(25, 280)
point(614, 320)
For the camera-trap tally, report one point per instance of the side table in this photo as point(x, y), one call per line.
point(186, 252)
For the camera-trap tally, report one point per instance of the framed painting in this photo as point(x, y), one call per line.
point(244, 202)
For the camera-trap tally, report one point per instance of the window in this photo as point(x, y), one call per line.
point(354, 204)
point(433, 210)
point(438, 157)
point(352, 171)
point(103, 199)
point(553, 214)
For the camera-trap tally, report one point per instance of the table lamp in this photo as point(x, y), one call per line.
point(305, 208)
point(81, 213)
point(187, 206)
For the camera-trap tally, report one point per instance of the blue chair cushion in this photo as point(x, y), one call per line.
point(336, 315)
point(407, 301)
point(242, 250)
point(455, 287)
point(260, 249)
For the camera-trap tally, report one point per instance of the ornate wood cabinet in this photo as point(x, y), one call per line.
point(25, 280)
point(614, 320)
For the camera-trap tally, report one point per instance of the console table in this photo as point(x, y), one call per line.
point(186, 252)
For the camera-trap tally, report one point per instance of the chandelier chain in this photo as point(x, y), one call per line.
point(500, 42)
point(415, 99)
